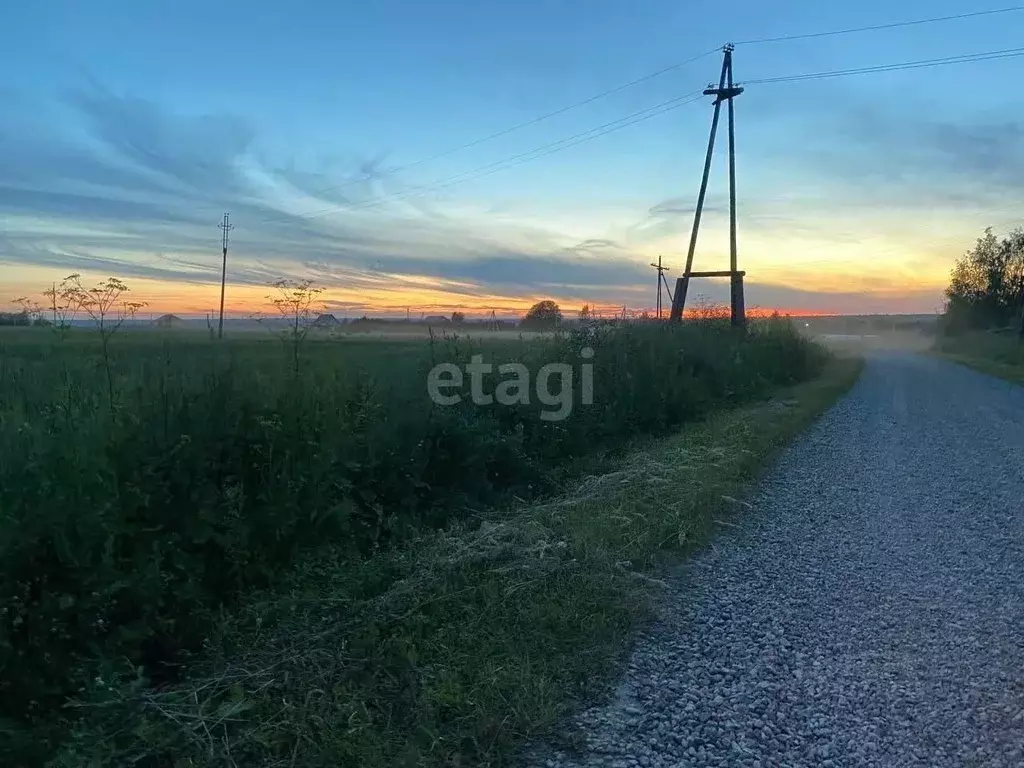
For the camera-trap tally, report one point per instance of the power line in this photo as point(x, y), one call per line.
point(635, 118)
point(876, 27)
point(559, 111)
point(1007, 53)
point(532, 121)
point(647, 114)
point(658, 73)
point(514, 160)
point(553, 147)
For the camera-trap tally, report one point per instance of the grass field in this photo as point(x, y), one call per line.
point(171, 504)
point(999, 354)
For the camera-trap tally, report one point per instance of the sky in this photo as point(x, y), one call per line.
point(336, 136)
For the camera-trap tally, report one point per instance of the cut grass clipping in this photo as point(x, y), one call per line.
point(462, 646)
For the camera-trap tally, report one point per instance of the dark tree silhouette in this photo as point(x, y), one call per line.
point(986, 288)
point(542, 316)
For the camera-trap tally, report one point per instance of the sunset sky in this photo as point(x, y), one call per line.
point(128, 128)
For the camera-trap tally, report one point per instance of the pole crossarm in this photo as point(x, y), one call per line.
point(723, 93)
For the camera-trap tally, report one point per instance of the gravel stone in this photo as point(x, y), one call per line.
point(869, 611)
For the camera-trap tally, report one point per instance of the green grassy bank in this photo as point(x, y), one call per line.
point(456, 646)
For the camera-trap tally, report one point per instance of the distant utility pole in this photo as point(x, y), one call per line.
point(226, 227)
point(726, 91)
point(661, 279)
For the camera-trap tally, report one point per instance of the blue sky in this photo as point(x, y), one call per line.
point(128, 128)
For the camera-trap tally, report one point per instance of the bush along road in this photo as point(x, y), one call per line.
point(866, 611)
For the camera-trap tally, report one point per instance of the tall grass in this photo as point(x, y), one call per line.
point(999, 353)
point(126, 531)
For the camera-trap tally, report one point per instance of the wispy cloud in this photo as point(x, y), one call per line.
point(118, 185)
point(150, 185)
point(893, 157)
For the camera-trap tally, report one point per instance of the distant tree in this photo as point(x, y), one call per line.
point(458, 317)
point(15, 318)
point(986, 287)
point(299, 304)
point(542, 316)
point(585, 314)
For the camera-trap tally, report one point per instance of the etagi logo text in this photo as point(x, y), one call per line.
point(552, 386)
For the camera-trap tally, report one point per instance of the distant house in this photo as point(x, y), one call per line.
point(326, 321)
point(168, 321)
point(436, 320)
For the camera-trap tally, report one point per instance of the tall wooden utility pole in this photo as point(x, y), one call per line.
point(226, 227)
point(737, 310)
point(726, 91)
point(661, 279)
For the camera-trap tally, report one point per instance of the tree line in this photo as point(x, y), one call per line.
point(986, 289)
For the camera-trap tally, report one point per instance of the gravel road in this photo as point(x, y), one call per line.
point(869, 611)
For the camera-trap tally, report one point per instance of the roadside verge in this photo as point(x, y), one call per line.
point(463, 646)
point(997, 354)
point(1013, 372)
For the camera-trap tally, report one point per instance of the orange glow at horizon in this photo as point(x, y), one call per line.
point(395, 295)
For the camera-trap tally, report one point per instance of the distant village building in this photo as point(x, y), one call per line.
point(326, 321)
point(436, 320)
point(168, 321)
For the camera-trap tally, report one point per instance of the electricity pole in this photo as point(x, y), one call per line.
point(226, 227)
point(683, 283)
point(661, 278)
point(736, 303)
point(726, 91)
